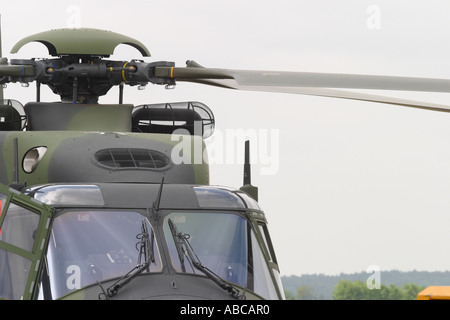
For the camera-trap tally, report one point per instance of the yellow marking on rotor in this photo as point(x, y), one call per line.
point(171, 72)
point(123, 72)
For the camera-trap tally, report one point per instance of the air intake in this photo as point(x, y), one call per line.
point(126, 158)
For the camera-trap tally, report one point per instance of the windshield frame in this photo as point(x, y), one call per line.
point(157, 219)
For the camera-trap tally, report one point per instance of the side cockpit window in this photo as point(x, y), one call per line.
point(24, 227)
point(19, 227)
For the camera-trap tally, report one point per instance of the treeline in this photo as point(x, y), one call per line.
point(394, 285)
point(358, 290)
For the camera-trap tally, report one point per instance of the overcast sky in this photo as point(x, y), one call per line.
point(345, 185)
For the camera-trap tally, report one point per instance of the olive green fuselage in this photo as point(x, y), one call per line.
point(67, 142)
point(72, 156)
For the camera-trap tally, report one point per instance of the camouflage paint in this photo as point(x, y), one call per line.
point(70, 158)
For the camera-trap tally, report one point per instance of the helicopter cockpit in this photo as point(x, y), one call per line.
point(99, 242)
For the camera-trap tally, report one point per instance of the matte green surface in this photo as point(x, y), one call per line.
point(83, 41)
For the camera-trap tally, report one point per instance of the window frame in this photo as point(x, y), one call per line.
point(36, 255)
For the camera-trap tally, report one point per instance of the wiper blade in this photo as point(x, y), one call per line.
point(145, 249)
point(178, 244)
point(184, 247)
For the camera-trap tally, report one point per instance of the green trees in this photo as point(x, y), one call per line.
point(397, 285)
point(358, 290)
point(303, 293)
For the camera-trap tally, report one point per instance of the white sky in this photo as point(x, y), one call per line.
point(358, 184)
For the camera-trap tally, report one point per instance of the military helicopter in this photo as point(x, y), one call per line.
point(98, 201)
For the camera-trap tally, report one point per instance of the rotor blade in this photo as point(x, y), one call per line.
point(289, 82)
point(351, 95)
point(335, 93)
point(195, 72)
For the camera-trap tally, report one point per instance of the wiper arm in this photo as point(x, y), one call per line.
point(145, 249)
point(183, 246)
point(178, 244)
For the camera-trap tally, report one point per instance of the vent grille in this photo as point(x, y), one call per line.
point(125, 158)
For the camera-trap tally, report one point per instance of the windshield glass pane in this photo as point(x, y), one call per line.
point(225, 243)
point(19, 227)
point(90, 246)
point(217, 198)
point(75, 195)
point(13, 275)
point(263, 282)
point(218, 239)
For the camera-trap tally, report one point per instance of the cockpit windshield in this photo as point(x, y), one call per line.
point(90, 246)
point(225, 243)
point(219, 240)
point(87, 247)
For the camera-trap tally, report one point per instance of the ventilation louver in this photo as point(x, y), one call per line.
point(126, 158)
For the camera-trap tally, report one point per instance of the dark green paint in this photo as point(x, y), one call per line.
point(84, 41)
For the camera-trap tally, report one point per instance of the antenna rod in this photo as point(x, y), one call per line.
point(158, 197)
point(252, 191)
point(247, 169)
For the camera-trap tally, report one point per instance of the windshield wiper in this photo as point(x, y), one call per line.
point(145, 250)
point(184, 248)
point(178, 244)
